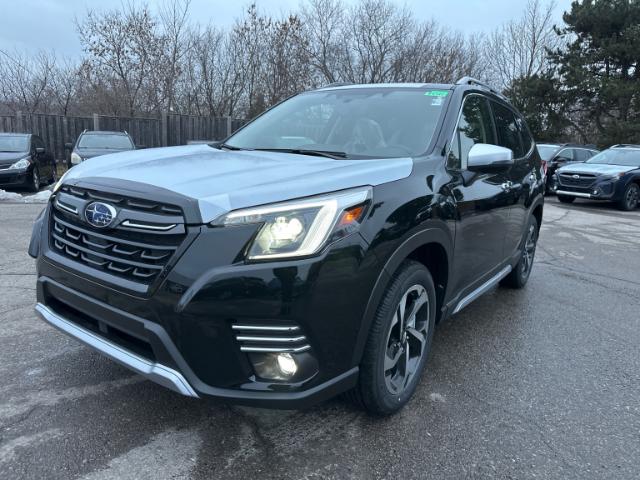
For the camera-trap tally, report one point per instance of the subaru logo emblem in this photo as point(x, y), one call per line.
point(575, 177)
point(100, 214)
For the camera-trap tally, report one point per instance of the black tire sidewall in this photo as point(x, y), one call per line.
point(625, 204)
point(375, 395)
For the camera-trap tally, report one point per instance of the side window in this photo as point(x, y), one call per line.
point(582, 155)
point(507, 128)
point(566, 154)
point(525, 136)
point(475, 126)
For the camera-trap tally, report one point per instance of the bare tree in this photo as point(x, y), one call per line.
point(124, 46)
point(24, 80)
point(519, 48)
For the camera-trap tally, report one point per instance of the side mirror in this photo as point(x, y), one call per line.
point(68, 146)
point(489, 158)
point(39, 150)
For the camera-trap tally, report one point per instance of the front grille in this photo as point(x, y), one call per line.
point(138, 248)
point(121, 201)
point(281, 338)
point(584, 180)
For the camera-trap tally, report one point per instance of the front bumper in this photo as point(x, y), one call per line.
point(181, 333)
point(154, 371)
point(13, 178)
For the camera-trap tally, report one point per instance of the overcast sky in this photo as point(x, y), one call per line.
point(48, 24)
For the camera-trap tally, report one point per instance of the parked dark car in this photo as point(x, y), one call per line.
point(92, 143)
point(309, 254)
point(25, 162)
point(561, 154)
point(612, 175)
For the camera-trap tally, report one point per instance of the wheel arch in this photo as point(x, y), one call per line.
point(433, 248)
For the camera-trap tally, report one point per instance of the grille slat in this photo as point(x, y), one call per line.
point(255, 338)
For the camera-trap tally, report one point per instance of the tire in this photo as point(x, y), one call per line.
point(33, 182)
point(520, 274)
point(630, 198)
point(390, 346)
point(566, 199)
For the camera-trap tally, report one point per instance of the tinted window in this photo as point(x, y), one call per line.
point(14, 143)
point(525, 136)
point(118, 142)
point(475, 126)
point(361, 122)
point(38, 142)
point(507, 128)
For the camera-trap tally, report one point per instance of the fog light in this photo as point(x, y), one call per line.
point(274, 366)
point(596, 192)
point(287, 364)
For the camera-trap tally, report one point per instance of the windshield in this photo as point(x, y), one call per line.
point(361, 123)
point(116, 142)
point(618, 156)
point(547, 151)
point(14, 143)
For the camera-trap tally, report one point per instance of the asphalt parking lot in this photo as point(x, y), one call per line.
point(539, 383)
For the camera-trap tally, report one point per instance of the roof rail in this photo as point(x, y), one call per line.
point(474, 81)
point(337, 84)
point(625, 145)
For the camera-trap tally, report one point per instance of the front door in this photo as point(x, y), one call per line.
point(482, 199)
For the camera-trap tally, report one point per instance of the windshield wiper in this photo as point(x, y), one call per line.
point(228, 147)
point(315, 153)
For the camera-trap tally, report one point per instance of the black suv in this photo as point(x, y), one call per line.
point(559, 155)
point(92, 143)
point(25, 161)
point(612, 175)
point(310, 254)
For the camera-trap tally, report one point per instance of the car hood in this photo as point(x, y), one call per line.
point(595, 168)
point(7, 158)
point(222, 180)
point(86, 153)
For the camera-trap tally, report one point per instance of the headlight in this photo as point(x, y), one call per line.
point(302, 227)
point(20, 164)
point(75, 158)
point(614, 178)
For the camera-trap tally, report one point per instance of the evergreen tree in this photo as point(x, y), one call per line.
point(599, 68)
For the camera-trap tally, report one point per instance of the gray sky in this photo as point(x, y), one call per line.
point(48, 24)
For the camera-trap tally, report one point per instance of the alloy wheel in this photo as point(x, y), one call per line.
point(632, 198)
point(407, 339)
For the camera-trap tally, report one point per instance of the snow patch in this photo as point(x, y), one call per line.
point(40, 197)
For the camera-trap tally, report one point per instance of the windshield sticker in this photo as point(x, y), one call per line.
point(437, 93)
point(437, 101)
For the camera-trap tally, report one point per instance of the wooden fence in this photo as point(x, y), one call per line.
point(167, 130)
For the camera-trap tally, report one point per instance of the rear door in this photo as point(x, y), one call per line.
point(481, 202)
point(522, 177)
